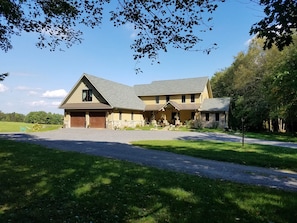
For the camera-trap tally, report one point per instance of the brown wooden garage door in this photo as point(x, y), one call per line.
point(97, 120)
point(78, 119)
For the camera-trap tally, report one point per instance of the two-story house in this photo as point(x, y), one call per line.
point(99, 103)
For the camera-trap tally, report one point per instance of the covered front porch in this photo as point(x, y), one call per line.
point(171, 113)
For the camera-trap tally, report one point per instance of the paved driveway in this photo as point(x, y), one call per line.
point(115, 144)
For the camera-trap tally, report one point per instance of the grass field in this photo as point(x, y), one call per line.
point(255, 155)
point(284, 137)
point(44, 185)
point(25, 127)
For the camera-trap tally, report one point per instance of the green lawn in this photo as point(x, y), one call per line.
point(284, 137)
point(257, 155)
point(25, 127)
point(44, 185)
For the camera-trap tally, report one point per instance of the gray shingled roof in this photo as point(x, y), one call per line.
point(172, 87)
point(125, 97)
point(117, 95)
point(215, 104)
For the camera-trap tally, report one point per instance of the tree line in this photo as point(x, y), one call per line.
point(39, 117)
point(263, 88)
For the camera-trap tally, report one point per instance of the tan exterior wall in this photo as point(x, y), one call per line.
point(112, 119)
point(76, 96)
point(66, 119)
point(148, 100)
point(151, 100)
point(122, 119)
point(204, 95)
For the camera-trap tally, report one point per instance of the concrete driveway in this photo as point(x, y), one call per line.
point(115, 144)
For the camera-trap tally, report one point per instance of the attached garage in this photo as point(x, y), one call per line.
point(78, 119)
point(97, 120)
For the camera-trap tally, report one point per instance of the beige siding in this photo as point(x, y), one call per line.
point(151, 100)
point(66, 120)
point(204, 94)
point(76, 96)
point(114, 121)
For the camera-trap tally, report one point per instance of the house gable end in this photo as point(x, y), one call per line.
point(75, 96)
point(117, 95)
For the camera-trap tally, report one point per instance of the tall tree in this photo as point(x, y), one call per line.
point(283, 89)
point(279, 24)
point(262, 85)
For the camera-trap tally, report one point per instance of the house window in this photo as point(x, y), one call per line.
point(157, 99)
point(207, 117)
point(132, 116)
point(167, 98)
point(87, 95)
point(120, 115)
point(192, 97)
point(217, 117)
point(183, 98)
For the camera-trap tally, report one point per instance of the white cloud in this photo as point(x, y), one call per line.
point(25, 88)
point(38, 103)
point(3, 88)
point(22, 88)
point(33, 92)
point(56, 103)
point(44, 104)
point(61, 93)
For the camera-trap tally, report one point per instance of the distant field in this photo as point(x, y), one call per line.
point(26, 127)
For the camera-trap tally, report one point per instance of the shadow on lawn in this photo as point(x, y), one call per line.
point(47, 185)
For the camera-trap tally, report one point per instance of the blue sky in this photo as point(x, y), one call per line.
point(39, 79)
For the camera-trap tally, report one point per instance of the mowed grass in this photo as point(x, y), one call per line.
point(25, 127)
point(250, 154)
point(284, 137)
point(47, 185)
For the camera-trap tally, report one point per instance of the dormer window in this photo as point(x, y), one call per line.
point(87, 95)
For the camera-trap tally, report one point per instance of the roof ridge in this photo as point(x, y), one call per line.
point(180, 79)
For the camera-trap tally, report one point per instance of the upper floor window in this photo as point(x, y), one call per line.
point(87, 95)
point(183, 98)
point(167, 98)
point(157, 99)
point(192, 97)
point(132, 116)
point(120, 115)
